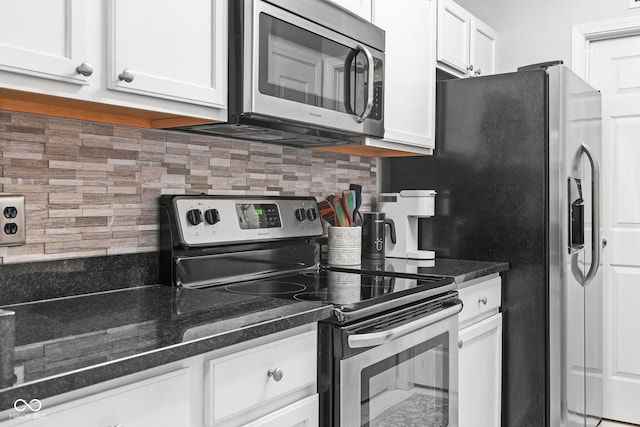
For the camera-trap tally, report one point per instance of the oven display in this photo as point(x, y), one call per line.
point(258, 215)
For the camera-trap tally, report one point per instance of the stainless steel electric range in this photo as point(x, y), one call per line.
point(388, 355)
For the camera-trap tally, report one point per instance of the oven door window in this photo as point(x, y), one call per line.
point(411, 380)
point(410, 388)
point(301, 66)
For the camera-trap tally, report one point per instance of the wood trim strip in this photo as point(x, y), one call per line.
point(55, 106)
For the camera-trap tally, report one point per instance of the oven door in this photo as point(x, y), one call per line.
point(408, 373)
point(304, 72)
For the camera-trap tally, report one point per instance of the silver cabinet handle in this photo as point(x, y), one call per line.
point(477, 72)
point(604, 242)
point(596, 243)
point(275, 373)
point(85, 69)
point(370, 77)
point(470, 67)
point(483, 301)
point(126, 76)
point(460, 343)
point(382, 337)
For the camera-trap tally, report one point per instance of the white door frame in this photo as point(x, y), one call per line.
point(582, 36)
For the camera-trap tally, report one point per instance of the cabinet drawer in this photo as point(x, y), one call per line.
point(301, 413)
point(480, 300)
point(161, 401)
point(242, 381)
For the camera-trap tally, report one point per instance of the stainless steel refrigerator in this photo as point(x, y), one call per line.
point(516, 174)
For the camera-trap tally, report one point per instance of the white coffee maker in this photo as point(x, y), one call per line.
point(404, 209)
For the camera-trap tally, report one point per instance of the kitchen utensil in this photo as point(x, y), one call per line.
point(349, 204)
point(358, 198)
point(327, 212)
point(341, 217)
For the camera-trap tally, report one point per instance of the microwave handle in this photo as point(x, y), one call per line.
point(383, 337)
point(370, 90)
point(370, 76)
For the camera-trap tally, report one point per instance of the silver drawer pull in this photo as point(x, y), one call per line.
point(85, 69)
point(460, 343)
point(483, 301)
point(126, 76)
point(275, 373)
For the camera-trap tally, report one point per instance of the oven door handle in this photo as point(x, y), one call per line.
point(378, 338)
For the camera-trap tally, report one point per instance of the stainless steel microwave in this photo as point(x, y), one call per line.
point(302, 73)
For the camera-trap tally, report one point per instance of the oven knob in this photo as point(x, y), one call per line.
point(194, 216)
point(300, 214)
point(312, 214)
point(212, 216)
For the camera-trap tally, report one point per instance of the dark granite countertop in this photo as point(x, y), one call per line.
point(463, 270)
point(64, 344)
point(460, 269)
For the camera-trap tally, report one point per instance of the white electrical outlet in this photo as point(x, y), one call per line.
point(12, 220)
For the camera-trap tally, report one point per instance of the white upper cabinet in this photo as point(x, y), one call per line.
point(361, 8)
point(466, 45)
point(483, 49)
point(409, 94)
point(166, 60)
point(169, 49)
point(46, 39)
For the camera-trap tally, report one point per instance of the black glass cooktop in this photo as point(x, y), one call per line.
point(348, 291)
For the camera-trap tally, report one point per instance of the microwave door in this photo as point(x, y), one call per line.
point(301, 72)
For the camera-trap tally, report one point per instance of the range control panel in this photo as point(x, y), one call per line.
point(217, 220)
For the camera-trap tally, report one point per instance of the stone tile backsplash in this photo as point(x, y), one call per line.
point(91, 189)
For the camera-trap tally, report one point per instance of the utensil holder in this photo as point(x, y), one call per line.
point(345, 245)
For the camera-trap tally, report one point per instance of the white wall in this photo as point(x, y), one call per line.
point(540, 30)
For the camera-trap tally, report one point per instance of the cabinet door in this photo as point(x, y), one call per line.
point(483, 49)
point(168, 49)
point(45, 38)
point(409, 105)
point(161, 401)
point(454, 26)
point(361, 8)
point(480, 373)
point(303, 413)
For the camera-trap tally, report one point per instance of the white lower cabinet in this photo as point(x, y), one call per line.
point(480, 366)
point(243, 386)
point(270, 381)
point(303, 413)
point(480, 354)
point(160, 401)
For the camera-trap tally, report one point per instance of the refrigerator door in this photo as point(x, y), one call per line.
point(574, 303)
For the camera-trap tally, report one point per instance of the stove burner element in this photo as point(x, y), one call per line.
point(269, 287)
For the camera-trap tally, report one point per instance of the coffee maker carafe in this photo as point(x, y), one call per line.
point(404, 209)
